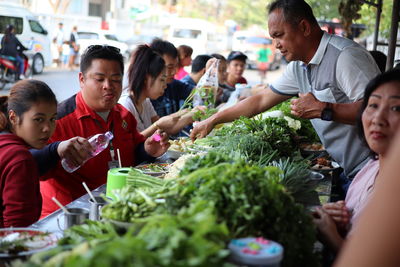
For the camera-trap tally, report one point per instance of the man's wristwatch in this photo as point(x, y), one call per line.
point(327, 112)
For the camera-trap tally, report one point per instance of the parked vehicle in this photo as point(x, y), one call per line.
point(30, 33)
point(87, 38)
point(196, 33)
point(250, 43)
point(9, 70)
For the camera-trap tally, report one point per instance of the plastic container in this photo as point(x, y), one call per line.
point(116, 179)
point(255, 251)
point(99, 142)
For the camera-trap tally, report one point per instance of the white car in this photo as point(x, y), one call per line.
point(87, 38)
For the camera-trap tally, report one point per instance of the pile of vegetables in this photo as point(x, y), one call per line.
point(192, 237)
point(307, 130)
point(256, 136)
point(252, 202)
point(248, 182)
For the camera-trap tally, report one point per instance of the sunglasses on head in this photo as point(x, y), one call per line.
point(94, 48)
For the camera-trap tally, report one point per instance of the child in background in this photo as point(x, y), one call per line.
point(263, 60)
point(185, 59)
point(65, 54)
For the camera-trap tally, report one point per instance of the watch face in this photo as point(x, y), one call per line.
point(326, 114)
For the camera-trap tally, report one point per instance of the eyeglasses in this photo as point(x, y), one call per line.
point(94, 48)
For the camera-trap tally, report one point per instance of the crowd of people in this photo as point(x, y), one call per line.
point(65, 49)
point(354, 108)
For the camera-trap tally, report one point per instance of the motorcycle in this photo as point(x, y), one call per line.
point(9, 70)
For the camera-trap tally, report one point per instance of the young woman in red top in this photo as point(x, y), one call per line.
point(31, 111)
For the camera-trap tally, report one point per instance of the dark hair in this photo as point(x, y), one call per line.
point(100, 52)
point(293, 11)
point(144, 62)
point(184, 51)
point(199, 63)
point(7, 32)
point(386, 77)
point(380, 59)
point(218, 56)
point(164, 48)
point(23, 95)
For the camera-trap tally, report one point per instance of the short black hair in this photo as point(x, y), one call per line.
point(293, 11)
point(380, 59)
point(101, 52)
point(386, 77)
point(199, 63)
point(163, 47)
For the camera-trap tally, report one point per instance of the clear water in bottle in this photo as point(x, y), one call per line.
point(99, 142)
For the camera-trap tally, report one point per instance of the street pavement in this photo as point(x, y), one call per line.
point(65, 83)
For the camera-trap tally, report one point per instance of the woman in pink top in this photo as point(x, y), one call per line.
point(379, 121)
point(185, 59)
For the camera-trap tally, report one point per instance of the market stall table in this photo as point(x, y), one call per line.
point(49, 223)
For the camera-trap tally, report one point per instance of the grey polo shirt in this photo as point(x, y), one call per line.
point(338, 73)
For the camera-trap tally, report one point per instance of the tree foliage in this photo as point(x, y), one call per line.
point(254, 12)
point(368, 17)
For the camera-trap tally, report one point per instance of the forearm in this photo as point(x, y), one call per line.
point(181, 123)
point(335, 241)
point(346, 113)
point(150, 130)
point(46, 158)
point(142, 155)
point(249, 107)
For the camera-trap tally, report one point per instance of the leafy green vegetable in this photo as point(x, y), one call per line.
point(306, 130)
point(192, 237)
point(202, 115)
point(253, 135)
point(296, 180)
point(250, 200)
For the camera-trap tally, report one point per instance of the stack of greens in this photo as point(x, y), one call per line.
point(192, 237)
point(307, 130)
point(257, 138)
point(252, 202)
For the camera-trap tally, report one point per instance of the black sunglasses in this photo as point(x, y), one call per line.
point(94, 48)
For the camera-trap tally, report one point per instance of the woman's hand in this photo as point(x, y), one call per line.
point(157, 144)
point(76, 150)
point(338, 212)
point(327, 229)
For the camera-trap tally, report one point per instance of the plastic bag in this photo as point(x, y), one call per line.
point(241, 90)
point(206, 88)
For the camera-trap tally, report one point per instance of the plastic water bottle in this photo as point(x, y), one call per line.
point(99, 142)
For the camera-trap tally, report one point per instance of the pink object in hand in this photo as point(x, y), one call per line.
point(157, 137)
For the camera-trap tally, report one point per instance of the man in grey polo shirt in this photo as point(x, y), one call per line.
point(328, 72)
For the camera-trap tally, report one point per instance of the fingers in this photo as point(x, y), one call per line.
point(76, 150)
point(193, 134)
point(338, 211)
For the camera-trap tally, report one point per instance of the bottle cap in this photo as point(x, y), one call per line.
point(109, 135)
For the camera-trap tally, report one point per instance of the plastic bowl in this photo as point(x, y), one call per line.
point(326, 171)
point(174, 154)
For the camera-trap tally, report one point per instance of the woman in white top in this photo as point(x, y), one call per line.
point(379, 121)
point(147, 80)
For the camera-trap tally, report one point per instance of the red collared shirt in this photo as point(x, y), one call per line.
point(75, 118)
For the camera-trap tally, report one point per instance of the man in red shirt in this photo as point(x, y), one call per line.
point(95, 110)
